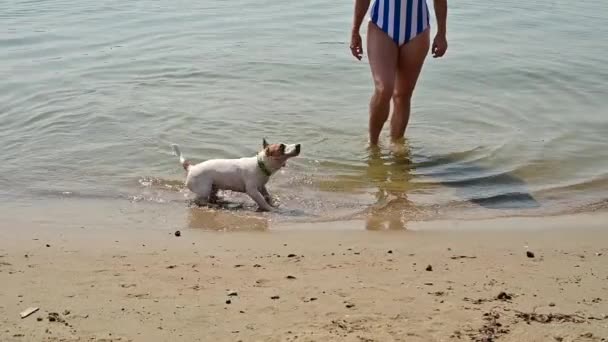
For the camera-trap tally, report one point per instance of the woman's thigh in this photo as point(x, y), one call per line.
point(410, 60)
point(382, 53)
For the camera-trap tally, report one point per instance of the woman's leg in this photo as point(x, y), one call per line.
point(382, 53)
point(410, 60)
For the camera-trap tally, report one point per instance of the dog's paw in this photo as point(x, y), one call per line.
point(271, 202)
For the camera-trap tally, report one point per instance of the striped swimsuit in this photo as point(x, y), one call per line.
point(402, 20)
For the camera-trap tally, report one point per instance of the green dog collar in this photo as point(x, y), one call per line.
point(263, 167)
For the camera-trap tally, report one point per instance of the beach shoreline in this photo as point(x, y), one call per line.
point(475, 282)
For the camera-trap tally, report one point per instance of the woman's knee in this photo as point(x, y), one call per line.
point(402, 97)
point(383, 92)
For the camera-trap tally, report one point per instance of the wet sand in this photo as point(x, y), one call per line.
point(440, 281)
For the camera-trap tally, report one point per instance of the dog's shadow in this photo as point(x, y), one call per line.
point(207, 218)
point(232, 216)
point(229, 203)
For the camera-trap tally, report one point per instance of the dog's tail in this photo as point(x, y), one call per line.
point(185, 163)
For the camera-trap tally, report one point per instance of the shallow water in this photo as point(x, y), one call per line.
point(510, 122)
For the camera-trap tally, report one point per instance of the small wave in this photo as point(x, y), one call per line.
point(160, 183)
point(511, 200)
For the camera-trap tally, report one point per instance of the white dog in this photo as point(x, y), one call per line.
point(248, 175)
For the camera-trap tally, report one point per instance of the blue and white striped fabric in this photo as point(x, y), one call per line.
point(402, 20)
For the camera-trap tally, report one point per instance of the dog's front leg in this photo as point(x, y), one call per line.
point(267, 196)
point(257, 196)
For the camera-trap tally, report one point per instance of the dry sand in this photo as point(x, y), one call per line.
point(310, 284)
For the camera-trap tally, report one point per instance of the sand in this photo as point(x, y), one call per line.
point(471, 282)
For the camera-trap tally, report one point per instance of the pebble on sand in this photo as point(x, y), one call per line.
point(504, 296)
point(28, 312)
point(530, 254)
point(178, 233)
point(429, 268)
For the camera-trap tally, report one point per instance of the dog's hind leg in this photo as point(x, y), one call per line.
point(213, 197)
point(203, 193)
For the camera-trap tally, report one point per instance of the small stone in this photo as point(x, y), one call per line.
point(228, 301)
point(551, 304)
point(48, 245)
point(390, 251)
point(290, 277)
point(350, 305)
point(39, 319)
point(291, 255)
point(429, 268)
point(233, 294)
point(178, 233)
point(530, 254)
point(275, 297)
point(312, 299)
point(504, 296)
point(257, 265)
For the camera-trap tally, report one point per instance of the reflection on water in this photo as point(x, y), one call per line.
point(390, 175)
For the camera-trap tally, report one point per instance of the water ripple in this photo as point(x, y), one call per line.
point(93, 94)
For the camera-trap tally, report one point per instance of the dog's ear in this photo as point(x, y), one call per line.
point(264, 143)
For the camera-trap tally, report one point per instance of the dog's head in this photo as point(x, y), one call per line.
point(276, 155)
